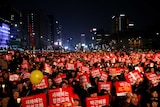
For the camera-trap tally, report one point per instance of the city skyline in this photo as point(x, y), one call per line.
point(77, 17)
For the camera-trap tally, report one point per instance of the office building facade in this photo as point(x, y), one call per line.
point(39, 28)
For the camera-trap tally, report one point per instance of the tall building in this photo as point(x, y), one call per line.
point(120, 23)
point(4, 35)
point(10, 20)
point(4, 25)
point(58, 35)
point(83, 38)
point(16, 36)
point(39, 27)
point(102, 39)
point(52, 20)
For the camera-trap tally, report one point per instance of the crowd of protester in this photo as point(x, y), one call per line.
point(143, 94)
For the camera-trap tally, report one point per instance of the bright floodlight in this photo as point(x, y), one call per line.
point(15, 25)
point(113, 17)
point(131, 24)
point(55, 43)
point(122, 15)
point(94, 29)
point(83, 44)
point(157, 33)
point(66, 47)
point(82, 34)
point(60, 43)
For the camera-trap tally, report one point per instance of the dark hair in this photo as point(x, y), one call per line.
point(92, 90)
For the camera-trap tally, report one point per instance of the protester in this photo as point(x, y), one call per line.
point(128, 79)
point(13, 101)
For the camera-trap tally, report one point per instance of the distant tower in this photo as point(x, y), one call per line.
point(38, 25)
point(83, 38)
point(120, 23)
point(51, 18)
point(58, 38)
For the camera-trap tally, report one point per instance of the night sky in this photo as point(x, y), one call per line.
point(79, 16)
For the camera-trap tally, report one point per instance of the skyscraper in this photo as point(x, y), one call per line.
point(120, 23)
point(83, 38)
point(58, 33)
point(39, 28)
point(52, 20)
point(11, 25)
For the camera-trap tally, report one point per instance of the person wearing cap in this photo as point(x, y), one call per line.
point(76, 101)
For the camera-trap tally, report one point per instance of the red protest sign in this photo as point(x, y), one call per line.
point(63, 75)
point(104, 85)
point(95, 72)
point(26, 75)
point(48, 68)
point(57, 80)
point(70, 66)
point(140, 69)
point(38, 100)
point(84, 78)
point(97, 101)
point(133, 76)
point(79, 64)
point(114, 71)
point(103, 76)
point(84, 69)
point(153, 78)
point(123, 87)
point(42, 85)
point(60, 96)
point(14, 77)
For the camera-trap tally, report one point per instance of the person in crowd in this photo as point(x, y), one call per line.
point(21, 88)
point(82, 91)
point(3, 63)
point(104, 92)
point(64, 84)
point(127, 101)
point(14, 99)
point(16, 62)
point(50, 83)
point(76, 101)
point(92, 92)
point(134, 101)
point(144, 94)
point(154, 99)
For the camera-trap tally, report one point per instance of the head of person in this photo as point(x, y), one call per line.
point(17, 53)
point(129, 95)
point(20, 86)
point(76, 100)
point(134, 99)
point(64, 84)
point(50, 82)
point(15, 93)
point(92, 92)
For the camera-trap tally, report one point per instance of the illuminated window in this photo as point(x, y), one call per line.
point(12, 17)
